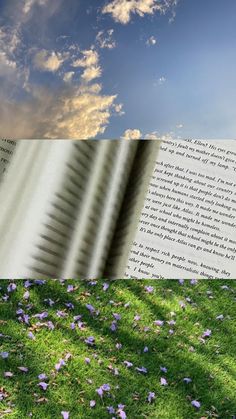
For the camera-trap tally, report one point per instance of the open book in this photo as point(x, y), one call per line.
point(118, 209)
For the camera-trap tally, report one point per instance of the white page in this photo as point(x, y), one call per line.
point(7, 148)
point(188, 224)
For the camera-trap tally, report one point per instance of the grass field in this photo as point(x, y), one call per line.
point(141, 349)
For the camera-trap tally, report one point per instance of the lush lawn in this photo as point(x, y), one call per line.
point(39, 343)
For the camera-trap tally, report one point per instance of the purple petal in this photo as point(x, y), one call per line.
point(42, 376)
point(23, 369)
point(163, 382)
point(149, 289)
point(92, 403)
point(116, 316)
point(206, 334)
point(8, 374)
point(151, 396)
point(106, 387)
point(105, 286)
point(4, 355)
point(187, 380)
point(196, 404)
point(100, 391)
point(128, 364)
point(31, 336)
point(142, 370)
point(90, 308)
point(110, 410)
point(43, 385)
point(158, 322)
point(65, 415)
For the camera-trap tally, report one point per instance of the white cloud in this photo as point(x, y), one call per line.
point(91, 73)
point(161, 80)
point(179, 126)
point(151, 41)
point(68, 76)
point(48, 61)
point(89, 62)
point(90, 58)
point(28, 4)
point(84, 114)
point(6, 64)
point(105, 40)
point(80, 113)
point(121, 10)
point(132, 134)
point(9, 40)
point(119, 109)
point(155, 136)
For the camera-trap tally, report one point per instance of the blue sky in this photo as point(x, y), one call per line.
point(117, 68)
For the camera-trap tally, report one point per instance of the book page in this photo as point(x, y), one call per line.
point(187, 228)
point(7, 148)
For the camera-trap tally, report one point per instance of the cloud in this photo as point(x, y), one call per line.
point(119, 109)
point(122, 10)
point(132, 134)
point(6, 64)
point(105, 40)
point(84, 114)
point(91, 73)
point(136, 134)
point(77, 110)
point(9, 40)
point(76, 113)
point(68, 76)
point(89, 62)
point(48, 61)
point(28, 5)
point(154, 135)
point(151, 41)
point(161, 80)
point(90, 58)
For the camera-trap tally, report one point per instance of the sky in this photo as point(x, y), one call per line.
point(118, 69)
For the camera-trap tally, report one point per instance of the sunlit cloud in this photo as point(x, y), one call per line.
point(105, 39)
point(151, 41)
point(68, 76)
point(48, 61)
point(91, 73)
point(77, 114)
point(132, 134)
point(90, 58)
point(122, 10)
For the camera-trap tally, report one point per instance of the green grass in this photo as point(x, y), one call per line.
point(209, 363)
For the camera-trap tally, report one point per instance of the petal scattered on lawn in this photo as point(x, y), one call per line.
point(196, 404)
point(151, 396)
point(43, 385)
point(163, 382)
point(4, 355)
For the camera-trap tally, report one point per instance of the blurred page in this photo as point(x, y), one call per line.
point(60, 201)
